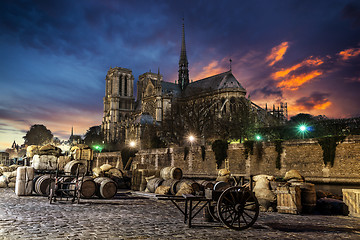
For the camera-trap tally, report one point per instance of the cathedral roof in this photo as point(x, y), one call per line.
point(217, 82)
point(170, 88)
point(144, 118)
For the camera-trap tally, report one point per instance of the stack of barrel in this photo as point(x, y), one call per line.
point(103, 187)
point(171, 182)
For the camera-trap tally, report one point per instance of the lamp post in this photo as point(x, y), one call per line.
point(132, 144)
point(302, 129)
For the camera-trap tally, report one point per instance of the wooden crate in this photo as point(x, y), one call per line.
point(351, 198)
point(138, 181)
point(84, 154)
point(289, 200)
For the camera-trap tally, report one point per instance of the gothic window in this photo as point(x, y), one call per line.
point(125, 86)
point(232, 105)
point(223, 106)
point(120, 84)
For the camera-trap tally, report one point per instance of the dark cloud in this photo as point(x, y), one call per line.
point(352, 11)
point(268, 91)
point(315, 100)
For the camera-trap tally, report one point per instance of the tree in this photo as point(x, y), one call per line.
point(194, 116)
point(38, 135)
point(238, 122)
point(94, 136)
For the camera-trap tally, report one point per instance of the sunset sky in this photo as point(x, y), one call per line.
point(55, 54)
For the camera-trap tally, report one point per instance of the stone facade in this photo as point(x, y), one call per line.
point(306, 156)
point(118, 102)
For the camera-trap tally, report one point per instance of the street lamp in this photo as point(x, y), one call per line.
point(258, 137)
point(132, 144)
point(303, 129)
point(98, 148)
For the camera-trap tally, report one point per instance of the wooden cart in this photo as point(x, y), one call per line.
point(66, 187)
point(236, 207)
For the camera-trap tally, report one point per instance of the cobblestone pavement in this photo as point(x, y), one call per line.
point(127, 217)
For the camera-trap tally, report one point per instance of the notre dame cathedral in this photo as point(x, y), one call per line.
point(124, 115)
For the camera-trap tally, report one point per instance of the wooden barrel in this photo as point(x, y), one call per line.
point(195, 186)
point(172, 183)
point(105, 187)
point(72, 166)
point(205, 184)
point(65, 181)
point(308, 196)
point(171, 173)
point(153, 184)
point(87, 186)
point(43, 185)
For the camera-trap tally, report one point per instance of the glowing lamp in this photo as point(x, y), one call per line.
point(132, 144)
point(302, 128)
point(98, 148)
point(258, 137)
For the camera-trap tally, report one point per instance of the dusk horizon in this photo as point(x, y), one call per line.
point(55, 55)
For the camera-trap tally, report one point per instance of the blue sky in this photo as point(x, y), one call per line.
point(55, 54)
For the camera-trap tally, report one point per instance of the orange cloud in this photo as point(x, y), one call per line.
point(308, 62)
point(294, 82)
point(302, 108)
point(315, 102)
point(322, 106)
point(349, 53)
point(277, 53)
point(211, 69)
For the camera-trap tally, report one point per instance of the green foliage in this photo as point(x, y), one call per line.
point(318, 126)
point(220, 148)
point(38, 135)
point(249, 148)
point(279, 149)
point(94, 136)
point(328, 145)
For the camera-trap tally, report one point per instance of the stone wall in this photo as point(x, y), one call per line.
point(306, 156)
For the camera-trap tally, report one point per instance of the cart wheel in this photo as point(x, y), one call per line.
point(237, 208)
point(213, 212)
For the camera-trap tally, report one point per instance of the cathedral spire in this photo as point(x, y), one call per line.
point(183, 80)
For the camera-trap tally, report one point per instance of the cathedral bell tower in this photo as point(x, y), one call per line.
point(118, 103)
point(183, 80)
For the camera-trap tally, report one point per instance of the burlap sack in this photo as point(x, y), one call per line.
point(162, 190)
point(5, 169)
point(32, 150)
point(114, 172)
point(106, 167)
point(98, 172)
point(9, 175)
point(4, 180)
point(185, 189)
point(293, 174)
point(13, 167)
point(223, 172)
